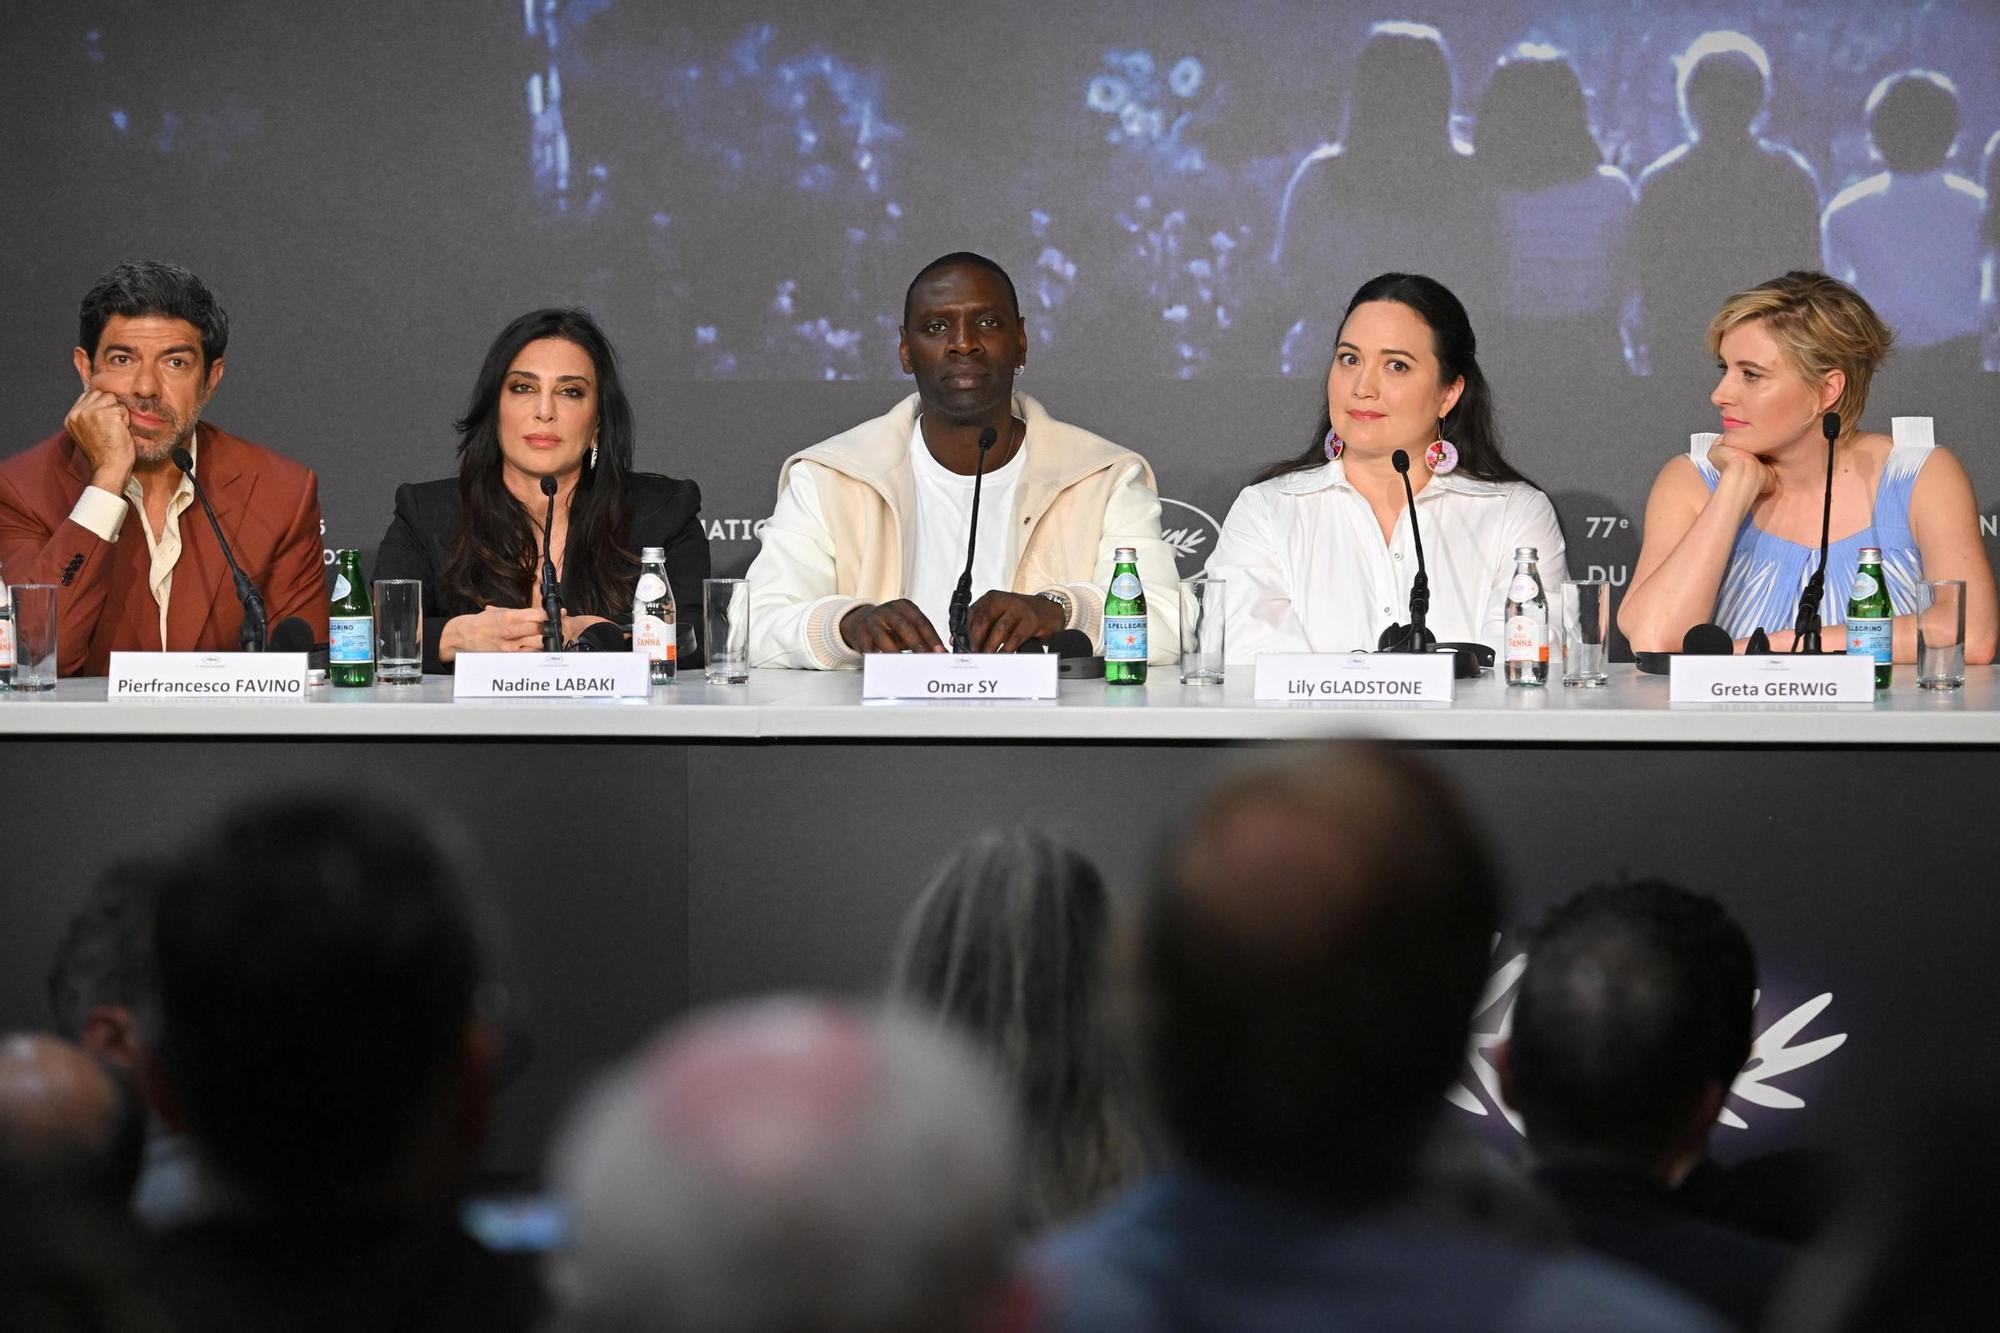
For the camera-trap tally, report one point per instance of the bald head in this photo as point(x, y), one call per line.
point(65, 1117)
point(1309, 959)
point(791, 1165)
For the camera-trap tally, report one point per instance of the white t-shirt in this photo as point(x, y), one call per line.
point(936, 554)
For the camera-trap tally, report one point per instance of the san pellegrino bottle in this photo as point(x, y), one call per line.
point(351, 617)
point(1125, 622)
point(653, 631)
point(1527, 622)
point(1871, 618)
point(6, 635)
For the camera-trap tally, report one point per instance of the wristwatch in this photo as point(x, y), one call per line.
point(1061, 599)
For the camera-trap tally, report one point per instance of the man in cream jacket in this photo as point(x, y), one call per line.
point(869, 536)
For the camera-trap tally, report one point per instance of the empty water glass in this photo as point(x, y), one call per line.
point(1586, 619)
point(1941, 634)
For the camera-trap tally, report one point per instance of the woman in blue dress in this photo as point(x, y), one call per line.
point(1732, 528)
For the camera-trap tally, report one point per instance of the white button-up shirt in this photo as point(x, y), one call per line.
point(1308, 571)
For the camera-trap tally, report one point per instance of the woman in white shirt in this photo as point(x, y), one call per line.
point(1318, 553)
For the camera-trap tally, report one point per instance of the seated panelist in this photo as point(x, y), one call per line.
point(547, 403)
point(1319, 555)
point(1733, 527)
point(101, 510)
point(869, 537)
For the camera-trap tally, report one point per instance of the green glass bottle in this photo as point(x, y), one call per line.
point(351, 660)
point(1125, 622)
point(1871, 618)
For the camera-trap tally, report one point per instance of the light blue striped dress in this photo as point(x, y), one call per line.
point(1766, 574)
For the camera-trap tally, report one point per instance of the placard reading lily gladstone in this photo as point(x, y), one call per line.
point(1409, 678)
point(207, 677)
point(551, 676)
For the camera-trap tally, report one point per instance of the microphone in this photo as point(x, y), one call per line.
point(961, 596)
point(1414, 637)
point(251, 637)
point(1063, 643)
point(603, 637)
point(551, 588)
point(1707, 641)
point(1805, 628)
point(292, 635)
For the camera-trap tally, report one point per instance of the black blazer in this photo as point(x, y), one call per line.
point(665, 512)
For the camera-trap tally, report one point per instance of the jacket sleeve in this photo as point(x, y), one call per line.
point(298, 567)
point(687, 567)
point(71, 557)
point(1132, 518)
point(404, 554)
point(795, 608)
point(1259, 615)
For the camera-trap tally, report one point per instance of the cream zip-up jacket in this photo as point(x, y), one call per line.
point(1079, 498)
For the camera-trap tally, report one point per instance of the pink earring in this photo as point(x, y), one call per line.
point(1441, 457)
point(1335, 446)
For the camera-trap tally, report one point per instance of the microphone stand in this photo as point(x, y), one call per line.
point(551, 587)
point(1414, 637)
point(961, 596)
point(1806, 626)
point(251, 637)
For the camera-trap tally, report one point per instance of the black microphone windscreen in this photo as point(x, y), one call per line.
point(1829, 425)
point(603, 637)
point(183, 459)
point(1400, 460)
point(548, 486)
point(1708, 641)
point(1070, 643)
point(987, 437)
point(292, 635)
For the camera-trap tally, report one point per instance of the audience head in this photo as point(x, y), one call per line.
point(1307, 964)
point(1821, 331)
point(1913, 119)
point(1534, 124)
point(148, 288)
point(1632, 1020)
point(94, 982)
point(792, 1165)
point(1007, 944)
point(315, 966)
point(587, 422)
point(1399, 107)
point(68, 1121)
point(1724, 80)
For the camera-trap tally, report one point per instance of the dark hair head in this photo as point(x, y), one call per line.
point(315, 965)
point(149, 287)
point(1400, 104)
point(493, 558)
point(1534, 125)
point(1007, 943)
point(1469, 425)
point(101, 957)
point(1636, 997)
point(1309, 956)
point(960, 259)
point(1912, 120)
point(1724, 79)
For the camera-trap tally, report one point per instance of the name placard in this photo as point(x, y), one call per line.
point(1806, 678)
point(207, 677)
point(1423, 678)
point(551, 676)
point(958, 676)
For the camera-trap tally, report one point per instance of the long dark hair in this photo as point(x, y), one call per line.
point(1534, 122)
point(493, 559)
point(1469, 425)
point(1007, 944)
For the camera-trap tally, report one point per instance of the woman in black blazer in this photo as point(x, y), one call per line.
point(547, 404)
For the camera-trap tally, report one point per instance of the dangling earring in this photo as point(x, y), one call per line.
point(1442, 455)
point(1335, 446)
point(593, 453)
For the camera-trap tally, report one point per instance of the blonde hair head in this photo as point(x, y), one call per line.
point(1822, 324)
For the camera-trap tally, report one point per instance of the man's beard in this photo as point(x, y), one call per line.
point(179, 434)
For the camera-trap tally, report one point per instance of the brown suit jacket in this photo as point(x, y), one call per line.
point(268, 508)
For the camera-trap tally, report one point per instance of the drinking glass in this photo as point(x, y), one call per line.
point(34, 636)
point(1202, 616)
point(1941, 634)
point(1585, 620)
point(399, 631)
point(725, 630)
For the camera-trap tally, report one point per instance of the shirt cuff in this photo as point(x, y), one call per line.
point(823, 640)
point(1087, 602)
point(98, 510)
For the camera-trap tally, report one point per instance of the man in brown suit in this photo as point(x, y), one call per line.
point(100, 509)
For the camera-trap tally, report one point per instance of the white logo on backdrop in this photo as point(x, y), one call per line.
point(735, 529)
point(1190, 531)
point(1771, 1054)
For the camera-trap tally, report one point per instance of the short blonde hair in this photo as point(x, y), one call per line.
point(1822, 324)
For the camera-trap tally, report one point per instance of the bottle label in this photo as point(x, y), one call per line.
point(1865, 586)
point(1527, 639)
point(341, 587)
point(1872, 638)
point(6, 641)
point(1125, 638)
point(1523, 588)
point(655, 638)
point(1125, 585)
point(651, 588)
point(353, 640)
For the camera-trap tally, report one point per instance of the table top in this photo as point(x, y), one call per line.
point(810, 705)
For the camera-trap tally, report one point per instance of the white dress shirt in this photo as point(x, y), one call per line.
point(103, 513)
point(1308, 571)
